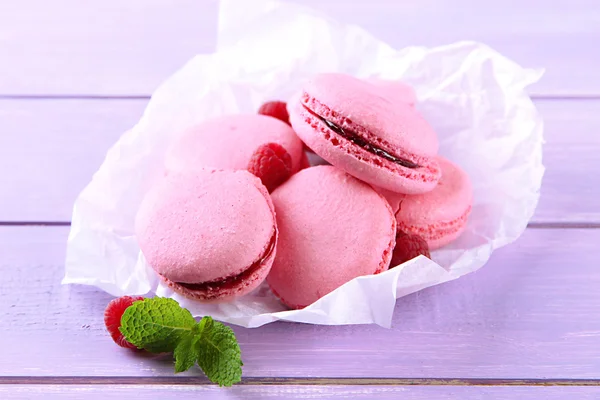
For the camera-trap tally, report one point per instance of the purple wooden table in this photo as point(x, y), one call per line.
point(73, 76)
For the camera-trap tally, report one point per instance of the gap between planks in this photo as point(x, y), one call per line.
point(254, 381)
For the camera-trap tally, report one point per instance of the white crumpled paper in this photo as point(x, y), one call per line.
point(473, 96)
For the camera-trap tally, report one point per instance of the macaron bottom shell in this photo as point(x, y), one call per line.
point(438, 234)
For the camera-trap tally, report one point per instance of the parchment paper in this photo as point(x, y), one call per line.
point(474, 97)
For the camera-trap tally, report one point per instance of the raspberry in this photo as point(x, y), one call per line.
point(275, 109)
point(112, 318)
point(408, 247)
point(272, 164)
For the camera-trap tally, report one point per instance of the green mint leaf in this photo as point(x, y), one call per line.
point(185, 353)
point(157, 325)
point(218, 352)
point(162, 325)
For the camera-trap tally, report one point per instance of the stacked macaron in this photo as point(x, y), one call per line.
point(372, 130)
point(238, 203)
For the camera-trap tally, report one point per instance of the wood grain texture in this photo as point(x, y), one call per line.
point(123, 48)
point(49, 150)
point(570, 192)
point(531, 313)
point(110, 47)
point(51, 392)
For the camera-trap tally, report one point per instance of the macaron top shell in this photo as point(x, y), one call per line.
point(332, 228)
point(228, 142)
point(205, 225)
point(394, 124)
point(395, 91)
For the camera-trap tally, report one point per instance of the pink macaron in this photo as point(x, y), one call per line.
point(332, 229)
point(394, 199)
point(395, 91)
point(210, 235)
point(439, 216)
point(350, 124)
point(228, 142)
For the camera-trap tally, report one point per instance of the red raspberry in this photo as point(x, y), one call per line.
point(112, 318)
point(275, 109)
point(272, 164)
point(408, 247)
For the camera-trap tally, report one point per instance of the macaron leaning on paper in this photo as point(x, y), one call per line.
point(439, 216)
point(332, 229)
point(210, 235)
point(229, 141)
point(352, 125)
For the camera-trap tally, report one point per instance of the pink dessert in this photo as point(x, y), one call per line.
point(395, 91)
point(210, 235)
point(439, 216)
point(349, 123)
point(332, 229)
point(394, 199)
point(228, 142)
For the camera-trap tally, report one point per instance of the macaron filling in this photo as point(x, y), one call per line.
point(231, 282)
point(358, 135)
point(355, 138)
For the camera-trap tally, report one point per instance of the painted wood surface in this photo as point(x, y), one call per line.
point(54, 147)
point(115, 47)
point(530, 313)
point(51, 392)
point(57, 145)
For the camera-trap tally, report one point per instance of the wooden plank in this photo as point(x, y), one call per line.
point(49, 150)
point(50, 392)
point(531, 313)
point(570, 193)
point(103, 48)
point(123, 48)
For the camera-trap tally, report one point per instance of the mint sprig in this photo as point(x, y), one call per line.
point(221, 358)
point(162, 325)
